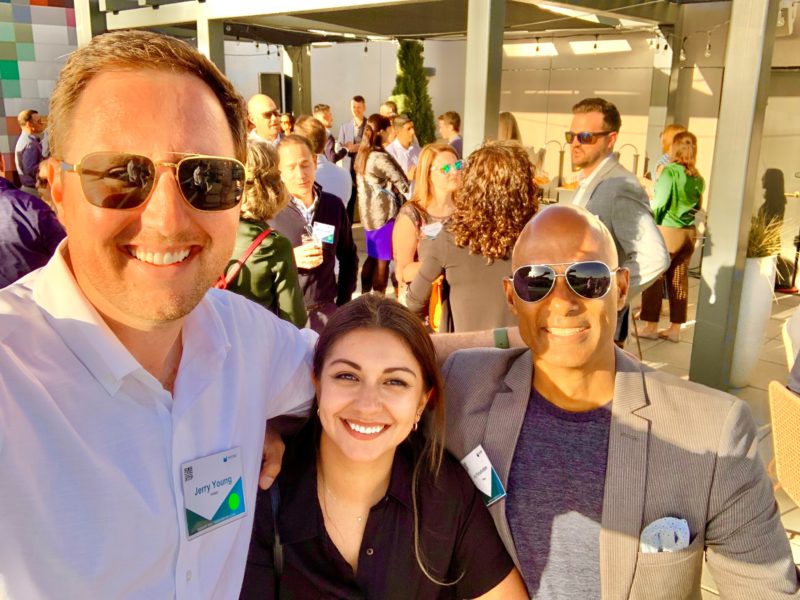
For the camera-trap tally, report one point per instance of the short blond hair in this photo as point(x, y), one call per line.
point(137, 50)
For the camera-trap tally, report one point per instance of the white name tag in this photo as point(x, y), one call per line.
point(213, 493)
point(484, 476)
point(431, 230)
point(323, 232)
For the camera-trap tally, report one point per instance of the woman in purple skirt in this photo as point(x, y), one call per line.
point(381, 189)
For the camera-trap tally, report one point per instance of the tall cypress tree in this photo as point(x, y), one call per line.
point(411, 90)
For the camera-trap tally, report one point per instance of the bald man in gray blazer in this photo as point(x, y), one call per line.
point(606, 478)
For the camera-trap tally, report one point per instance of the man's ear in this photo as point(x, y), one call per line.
point(623, 284)
point(508, 288)
point(54, 175)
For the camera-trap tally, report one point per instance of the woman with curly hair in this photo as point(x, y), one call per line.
point(269, 275)
point(438, 178)
point(381, 187)
point(497, 198)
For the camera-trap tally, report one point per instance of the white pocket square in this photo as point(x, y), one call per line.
point(667, 534)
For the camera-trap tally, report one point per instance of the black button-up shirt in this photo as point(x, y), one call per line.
point(458, 539)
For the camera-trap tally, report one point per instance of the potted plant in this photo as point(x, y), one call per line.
point(763, 246)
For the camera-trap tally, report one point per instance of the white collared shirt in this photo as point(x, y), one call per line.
point(91, 445)
point(405, 157)
point(254, 137)
point(333, 179)
point(584, 182)
point(307, 211)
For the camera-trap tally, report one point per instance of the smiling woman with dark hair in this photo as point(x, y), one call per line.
point(497, 198)
point(368, 506)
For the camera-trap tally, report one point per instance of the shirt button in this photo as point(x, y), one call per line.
point(188, 576)
point(370, 551)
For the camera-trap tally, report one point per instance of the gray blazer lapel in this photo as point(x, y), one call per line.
point(502, 432)
point(602, 174)
point(626, 474)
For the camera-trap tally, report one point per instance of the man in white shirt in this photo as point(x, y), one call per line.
point(133, 400)
point(265, 119)
point(404, 149)
point(333, 178)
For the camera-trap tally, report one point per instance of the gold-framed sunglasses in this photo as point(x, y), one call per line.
point(125, 180)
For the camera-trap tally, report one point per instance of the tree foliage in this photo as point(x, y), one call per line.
point(411, 90)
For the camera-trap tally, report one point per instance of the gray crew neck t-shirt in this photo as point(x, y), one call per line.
point(555, 499)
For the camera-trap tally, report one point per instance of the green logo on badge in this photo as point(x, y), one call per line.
point(233, 501)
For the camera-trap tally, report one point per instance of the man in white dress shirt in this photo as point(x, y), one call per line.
point(133, 400)
point(265, 118)
point(333, 178)
point(404, 149)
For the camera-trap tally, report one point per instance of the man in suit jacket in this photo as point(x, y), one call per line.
point(613, 193)
point(592, 446)
point(350, 134)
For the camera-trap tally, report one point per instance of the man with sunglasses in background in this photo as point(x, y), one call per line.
point(613, 193)
point(605, 477)
point(265, 119)
point(133, 401)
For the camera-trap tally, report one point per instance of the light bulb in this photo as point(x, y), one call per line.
point(682, 54)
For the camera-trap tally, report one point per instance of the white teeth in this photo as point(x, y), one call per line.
point(564, 331)
point(366, 430)
point(159, 258)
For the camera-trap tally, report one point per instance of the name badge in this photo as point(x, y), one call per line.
point(431, 230)
point(484, 476)
point(323, 232)
point(213, 494)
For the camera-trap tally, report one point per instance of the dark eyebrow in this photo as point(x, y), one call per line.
point(356, 366)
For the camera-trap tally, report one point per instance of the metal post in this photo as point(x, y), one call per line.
point(485, 21)
point(89, 21)
point(734, 175)
point(301, 78)
point(211, 40)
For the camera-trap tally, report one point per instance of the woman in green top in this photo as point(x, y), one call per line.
point(269, 276)
point(678, 194)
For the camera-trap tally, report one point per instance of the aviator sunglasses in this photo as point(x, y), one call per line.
point(123, 180)
point(456, 166)
point(589, 279)
point(585, 137)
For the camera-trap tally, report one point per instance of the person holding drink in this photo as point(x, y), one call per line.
point(317, 226)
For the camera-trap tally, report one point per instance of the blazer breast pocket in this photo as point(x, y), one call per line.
point(669, 575)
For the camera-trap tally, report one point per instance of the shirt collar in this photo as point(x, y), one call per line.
point(301, 516)
point(586, 180)
point(79, 324)
point(89, 337)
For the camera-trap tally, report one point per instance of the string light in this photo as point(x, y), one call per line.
point(537, 45)
point(594, 46)
point(707, 53)
point(682, 55)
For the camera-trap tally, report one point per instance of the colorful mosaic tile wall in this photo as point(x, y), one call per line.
point(35, 37)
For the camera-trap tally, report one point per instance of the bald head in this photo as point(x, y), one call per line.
point(562, 234)
point(265, 116)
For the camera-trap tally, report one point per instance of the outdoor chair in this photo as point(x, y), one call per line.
point(784, 406)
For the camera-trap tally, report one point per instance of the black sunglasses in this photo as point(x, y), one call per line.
point(123, 180)
point(585, 137)
point(271, 113)
point(589, 279)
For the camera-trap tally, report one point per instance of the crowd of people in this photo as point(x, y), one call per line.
point(518, 453)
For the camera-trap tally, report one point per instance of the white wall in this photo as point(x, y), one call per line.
point(244, 62)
